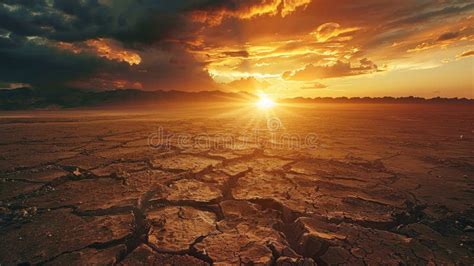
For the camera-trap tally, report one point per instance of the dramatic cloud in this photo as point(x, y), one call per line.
point(467, 53)
point(212, 12)
point(331, 30)
point(103, 48)
point(35, 63)
point(224, 44)
point(237, 54)
point(90, 39)
point(85, 43)
point(339, 69)
point(249, 84)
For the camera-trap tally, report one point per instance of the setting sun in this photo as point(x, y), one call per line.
point(256, 132)
point(265, 102)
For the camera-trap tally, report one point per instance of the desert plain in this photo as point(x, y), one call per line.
point(325, 184)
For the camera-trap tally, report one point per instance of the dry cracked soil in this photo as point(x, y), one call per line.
point(349, 185)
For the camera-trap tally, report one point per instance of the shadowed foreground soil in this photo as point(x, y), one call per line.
point(327, 185)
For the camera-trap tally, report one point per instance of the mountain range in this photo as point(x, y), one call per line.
point(31, 98)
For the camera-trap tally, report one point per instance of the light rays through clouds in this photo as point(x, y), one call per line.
point(289, 48)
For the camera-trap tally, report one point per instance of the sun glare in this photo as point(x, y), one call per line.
point(265, 102)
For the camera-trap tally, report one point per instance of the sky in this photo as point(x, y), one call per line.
point(286, 48)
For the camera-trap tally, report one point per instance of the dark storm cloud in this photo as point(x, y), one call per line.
point(161, 33)
point(28, 3)
point(24, 61)
point(144, 21)
point(437, 13)
point(12, 21)
point(136, 24)
point(66, 20)
point(144, 25)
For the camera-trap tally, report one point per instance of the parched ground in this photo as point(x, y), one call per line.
point(309, 186)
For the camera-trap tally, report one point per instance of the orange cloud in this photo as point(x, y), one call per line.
point(290, 6)
point(111, 51)
point(103, 48)
point(250, 84)
point(339, 69)
point(467, 53)
point(69, 46)
point(331, 30)
point(248, 44)
point(248, 10)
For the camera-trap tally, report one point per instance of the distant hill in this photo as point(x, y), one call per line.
point(386, 100)
point(31, 98)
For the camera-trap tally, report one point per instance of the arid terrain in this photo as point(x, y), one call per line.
point(321, 185)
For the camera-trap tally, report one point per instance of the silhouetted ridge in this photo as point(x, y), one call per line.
point(31, 98)
point(407, 99)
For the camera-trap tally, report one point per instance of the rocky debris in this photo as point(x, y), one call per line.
point(176, 229)
point(16, 215)
point(58, 232)
point(144, 255)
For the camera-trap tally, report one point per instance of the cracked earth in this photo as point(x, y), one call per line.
point(386, 186)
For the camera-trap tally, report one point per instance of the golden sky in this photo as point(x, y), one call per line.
point(286, 48)
point(352, 48)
